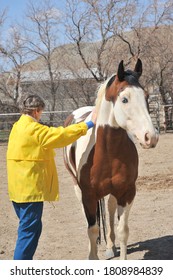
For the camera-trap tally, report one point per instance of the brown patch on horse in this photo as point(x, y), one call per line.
point(114, 89)
point(89, 198)
point(117, 172)
point(72, 156)
point(111, 167)
point(84, 116)
point(69, 120)
point(71, 162)
point(119, 82)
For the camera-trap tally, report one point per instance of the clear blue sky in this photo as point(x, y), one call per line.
point(17, 8)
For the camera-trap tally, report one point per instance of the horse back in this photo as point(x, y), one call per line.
point(76, 154)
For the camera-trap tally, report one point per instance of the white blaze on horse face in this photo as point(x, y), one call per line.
point(131, 113)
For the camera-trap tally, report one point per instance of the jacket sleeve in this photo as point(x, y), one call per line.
point(52, 137)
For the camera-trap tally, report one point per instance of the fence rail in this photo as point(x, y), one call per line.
point(162, 117)
point(168, 109)
point(50, 118)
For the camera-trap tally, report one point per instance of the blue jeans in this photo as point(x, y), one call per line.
point(29, 230)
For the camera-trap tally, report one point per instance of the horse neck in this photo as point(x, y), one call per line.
point(106, 115)
point(112, 142)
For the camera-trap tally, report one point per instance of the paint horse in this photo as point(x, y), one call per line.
point(105, 161)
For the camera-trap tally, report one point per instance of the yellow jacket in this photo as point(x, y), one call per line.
point(32, 174)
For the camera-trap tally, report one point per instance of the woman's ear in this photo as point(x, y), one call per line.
point(34, 113)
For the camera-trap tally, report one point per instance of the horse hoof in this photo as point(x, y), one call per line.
point(111, 252)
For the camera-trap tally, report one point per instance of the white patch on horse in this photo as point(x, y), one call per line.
point(73, 170)
point(78, 117)
point(78, 113)
point(82, 154)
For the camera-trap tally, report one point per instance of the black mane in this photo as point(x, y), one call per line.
point(130, 77)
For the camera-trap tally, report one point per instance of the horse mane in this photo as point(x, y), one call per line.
point(101, 91)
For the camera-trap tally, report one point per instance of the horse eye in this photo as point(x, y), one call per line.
point(125, 100)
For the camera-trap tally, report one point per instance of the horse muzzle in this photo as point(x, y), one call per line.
point(150, 139)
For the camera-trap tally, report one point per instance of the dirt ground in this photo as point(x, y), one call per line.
point(64, 235)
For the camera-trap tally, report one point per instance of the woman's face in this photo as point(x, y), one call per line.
point(37, 114)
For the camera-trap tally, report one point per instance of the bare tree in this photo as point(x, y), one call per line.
point(94, 22)
point(41, 33)
point(3, 14)
point(123, 29)
point(90, 26)
point(102, 33)
point(14, 55)
point(157, 48)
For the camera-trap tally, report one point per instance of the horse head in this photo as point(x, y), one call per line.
point(129, 108)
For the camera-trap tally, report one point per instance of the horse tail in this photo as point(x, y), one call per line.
point(101, 212)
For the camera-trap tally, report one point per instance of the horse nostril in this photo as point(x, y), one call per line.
point(147, 137)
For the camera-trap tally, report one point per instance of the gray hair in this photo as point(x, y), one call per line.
point(31, 102)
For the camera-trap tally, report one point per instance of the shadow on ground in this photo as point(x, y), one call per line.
point(156, 249)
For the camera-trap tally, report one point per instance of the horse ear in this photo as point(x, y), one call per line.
point(138, 67)
point(120, 73)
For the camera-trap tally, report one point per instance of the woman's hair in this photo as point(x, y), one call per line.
point(31, 102)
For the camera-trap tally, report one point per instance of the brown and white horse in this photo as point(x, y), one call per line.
point(105, 161)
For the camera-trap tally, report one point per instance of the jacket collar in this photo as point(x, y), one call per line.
point(28, 118)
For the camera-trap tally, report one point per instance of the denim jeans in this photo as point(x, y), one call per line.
point(29, 230)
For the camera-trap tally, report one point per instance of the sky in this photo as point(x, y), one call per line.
point(16, 8)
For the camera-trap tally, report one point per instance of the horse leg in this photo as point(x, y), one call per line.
point(93, 233)
point(93, 228)
point(90, 209)
point(110, 247)
point(123, 229)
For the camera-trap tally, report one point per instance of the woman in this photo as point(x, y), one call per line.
point(32, 175)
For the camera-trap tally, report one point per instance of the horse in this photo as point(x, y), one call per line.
point(104, 162)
